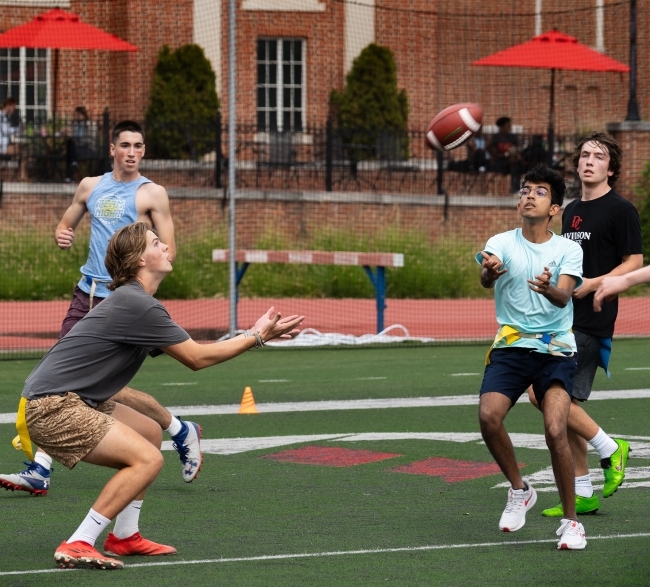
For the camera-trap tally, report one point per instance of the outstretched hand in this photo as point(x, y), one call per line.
point(541, 282)
point(272, 326)
point(493, 267)
point(609, 288)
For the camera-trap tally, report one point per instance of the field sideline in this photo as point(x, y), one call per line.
point(387, 484)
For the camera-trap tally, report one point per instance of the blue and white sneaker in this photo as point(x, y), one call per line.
point(188, 446)
point(35, 479)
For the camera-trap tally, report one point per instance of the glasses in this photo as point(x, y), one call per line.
point(537, 192)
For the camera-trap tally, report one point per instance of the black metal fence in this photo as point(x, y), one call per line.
point(319, 158)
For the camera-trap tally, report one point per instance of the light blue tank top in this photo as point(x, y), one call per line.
point(111, 205)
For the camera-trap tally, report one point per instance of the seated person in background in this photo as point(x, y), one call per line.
point(82, 144)
point(476, 156)
point(535, 153)
point(7, 129)
point(476, 152)
point(504, 152)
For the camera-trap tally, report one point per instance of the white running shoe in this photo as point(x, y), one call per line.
point(188, 446)
point(519, 502)
point(35, 479)
point(572, 535)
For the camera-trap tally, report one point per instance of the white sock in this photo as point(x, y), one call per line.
point(43, 459)
point(126, 523)
point(175, 427)
point(90, 529)
point(603, 444)
point(583, 486)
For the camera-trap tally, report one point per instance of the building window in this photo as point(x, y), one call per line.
point(280, 85)
point(24, 76)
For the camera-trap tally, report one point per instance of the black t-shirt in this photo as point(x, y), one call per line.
point(607, 228)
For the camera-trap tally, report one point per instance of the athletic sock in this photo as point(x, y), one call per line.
point(583, 486)
point(90, 529)
point(43, 459)
point(126, 523)
point(603, 444)
point(175, 427)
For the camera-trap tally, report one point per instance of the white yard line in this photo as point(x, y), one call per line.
point(362, 404)
point(268, 557)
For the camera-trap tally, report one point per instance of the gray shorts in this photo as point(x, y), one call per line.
point(66, 427)
point(588, 359)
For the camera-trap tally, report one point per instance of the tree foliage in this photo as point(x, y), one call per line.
point(184, 104)
point(371, 99)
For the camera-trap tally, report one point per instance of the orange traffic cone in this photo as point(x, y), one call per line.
point(248, 403)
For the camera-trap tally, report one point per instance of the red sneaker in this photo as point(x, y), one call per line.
point(134, 545)
point(81, 554)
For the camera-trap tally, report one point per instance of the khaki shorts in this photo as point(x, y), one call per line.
point(66, 427)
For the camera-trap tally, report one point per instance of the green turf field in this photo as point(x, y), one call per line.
point(255, 521)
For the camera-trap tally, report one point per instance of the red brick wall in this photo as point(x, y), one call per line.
point(120, 81)
point(323, 32)
point(295, 221)
point(634, 139)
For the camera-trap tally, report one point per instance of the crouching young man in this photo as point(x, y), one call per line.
point(66, 407)
point(533, 272)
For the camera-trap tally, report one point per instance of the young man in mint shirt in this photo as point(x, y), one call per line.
point(533, 272)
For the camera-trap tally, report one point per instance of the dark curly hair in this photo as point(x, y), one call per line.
point(544, 174)
point(608, 144)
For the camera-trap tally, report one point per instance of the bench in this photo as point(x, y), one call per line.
point(243, 258)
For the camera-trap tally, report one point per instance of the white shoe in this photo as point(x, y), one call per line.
point(519, 502)
point(572, 535)
point(188, 445)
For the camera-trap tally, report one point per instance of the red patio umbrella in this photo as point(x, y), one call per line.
point(553, 50)
point(58, 29)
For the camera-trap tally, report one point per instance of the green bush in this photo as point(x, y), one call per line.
point(371, 103)
point(181, 116)
point(35, 269)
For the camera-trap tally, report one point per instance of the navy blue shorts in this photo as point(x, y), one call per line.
point(512, 370)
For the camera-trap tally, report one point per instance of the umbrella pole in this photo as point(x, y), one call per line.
point(551, 123)
point(54, 84)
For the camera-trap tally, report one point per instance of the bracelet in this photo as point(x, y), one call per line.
point(259, 341)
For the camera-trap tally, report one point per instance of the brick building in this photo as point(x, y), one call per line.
point(433, 43)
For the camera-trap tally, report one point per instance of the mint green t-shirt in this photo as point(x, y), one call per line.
point(519, 306)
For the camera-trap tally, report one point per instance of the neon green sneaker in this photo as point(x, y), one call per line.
point(584, 505)
point(614, 467)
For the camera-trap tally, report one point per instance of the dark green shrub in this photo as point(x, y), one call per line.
point(371, 106)
point(181, 116)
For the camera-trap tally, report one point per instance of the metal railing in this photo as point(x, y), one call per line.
point(317, 158)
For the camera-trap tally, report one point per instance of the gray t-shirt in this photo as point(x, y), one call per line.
point(104, 350)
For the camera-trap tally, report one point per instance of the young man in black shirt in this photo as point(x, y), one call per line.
point(607, 227)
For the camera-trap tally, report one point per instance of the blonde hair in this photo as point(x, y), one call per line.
point(123, 253)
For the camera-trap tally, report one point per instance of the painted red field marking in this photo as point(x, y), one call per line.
point(329, 456)
point(451, 470)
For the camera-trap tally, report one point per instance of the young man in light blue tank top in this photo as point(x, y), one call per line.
point(534, 273)
point(114, 200)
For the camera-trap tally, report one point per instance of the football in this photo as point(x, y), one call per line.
point(454, 126)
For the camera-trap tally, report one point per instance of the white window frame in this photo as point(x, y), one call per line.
point(280, 86)
point(284, 5)
point(23, 107)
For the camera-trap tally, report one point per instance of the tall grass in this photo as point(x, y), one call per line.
point(34, 268)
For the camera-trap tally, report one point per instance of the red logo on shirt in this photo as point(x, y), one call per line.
point(576, 222)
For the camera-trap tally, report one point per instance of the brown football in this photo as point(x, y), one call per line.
point(454, 126)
